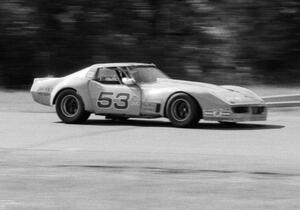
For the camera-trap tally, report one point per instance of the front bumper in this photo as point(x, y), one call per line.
point(239, 113)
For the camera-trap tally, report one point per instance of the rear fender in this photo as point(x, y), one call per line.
point(42, 88)
point(80, 85)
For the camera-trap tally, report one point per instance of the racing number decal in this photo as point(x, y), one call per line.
point(105, 100)
point(124, 97)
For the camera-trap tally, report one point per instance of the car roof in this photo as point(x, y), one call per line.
point(83, 72)
point(105, 65)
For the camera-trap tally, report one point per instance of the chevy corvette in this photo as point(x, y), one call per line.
point(137, 90)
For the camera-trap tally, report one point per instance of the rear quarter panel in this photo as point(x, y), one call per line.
point(42, 88)
point(80, 85)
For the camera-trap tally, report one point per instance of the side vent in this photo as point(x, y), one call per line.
point(157, 109)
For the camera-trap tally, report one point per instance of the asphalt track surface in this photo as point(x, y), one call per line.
point(145, 164)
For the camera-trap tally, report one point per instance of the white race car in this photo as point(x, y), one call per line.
point(124, 90)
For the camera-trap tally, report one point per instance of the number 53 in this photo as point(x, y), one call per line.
point(105, 100)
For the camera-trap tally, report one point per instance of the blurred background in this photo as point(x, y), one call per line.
point(219, 41)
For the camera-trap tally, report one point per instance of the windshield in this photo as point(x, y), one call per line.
point(146, 74)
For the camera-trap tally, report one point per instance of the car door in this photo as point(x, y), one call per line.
point(110, 96)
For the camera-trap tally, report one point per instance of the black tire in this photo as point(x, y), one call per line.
point(70, 108)
point(183, 110)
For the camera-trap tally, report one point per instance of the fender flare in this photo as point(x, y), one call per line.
point(57, 94)
point(180, 92)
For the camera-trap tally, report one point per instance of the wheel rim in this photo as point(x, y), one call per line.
point(70, 106)
point(181, 109)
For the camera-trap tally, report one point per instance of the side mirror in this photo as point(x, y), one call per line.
point(128, 81)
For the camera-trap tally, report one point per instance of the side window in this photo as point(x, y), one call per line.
point(107, 76)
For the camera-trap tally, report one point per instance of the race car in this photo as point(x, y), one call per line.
point(138, 90)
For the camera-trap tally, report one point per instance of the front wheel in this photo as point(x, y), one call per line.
point(70, 107)
point(183, 110)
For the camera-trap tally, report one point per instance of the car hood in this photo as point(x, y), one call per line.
point(229, 94)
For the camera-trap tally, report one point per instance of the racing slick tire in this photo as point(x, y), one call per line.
point(70, 108)
point(183, 111)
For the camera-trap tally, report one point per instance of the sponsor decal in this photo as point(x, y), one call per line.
point(43, 94)
point(135, 101)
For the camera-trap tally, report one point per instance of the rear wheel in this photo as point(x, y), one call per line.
point(183, 110)
point(70, 107)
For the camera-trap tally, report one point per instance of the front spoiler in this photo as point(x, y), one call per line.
point(243, 118)
point(235, 117)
